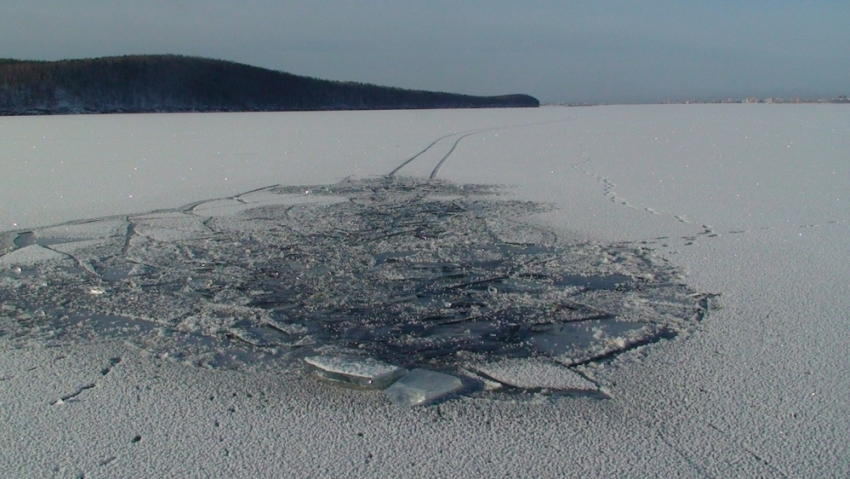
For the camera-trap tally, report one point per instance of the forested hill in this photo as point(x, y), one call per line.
point(171, 83)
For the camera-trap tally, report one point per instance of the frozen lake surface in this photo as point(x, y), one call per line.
point(648, 290)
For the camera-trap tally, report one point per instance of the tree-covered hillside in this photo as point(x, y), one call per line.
point(169, 83)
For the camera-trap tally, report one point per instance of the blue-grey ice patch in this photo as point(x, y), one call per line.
point(422, 386)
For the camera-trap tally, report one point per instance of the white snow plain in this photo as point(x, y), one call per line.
point(750, 200)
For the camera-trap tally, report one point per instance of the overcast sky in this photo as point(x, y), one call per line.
point(573, 51)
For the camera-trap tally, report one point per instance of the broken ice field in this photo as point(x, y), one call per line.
point(406, 285)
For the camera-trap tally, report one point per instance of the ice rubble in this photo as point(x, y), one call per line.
point(419, 274)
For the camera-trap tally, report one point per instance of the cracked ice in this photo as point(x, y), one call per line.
point(414, 273)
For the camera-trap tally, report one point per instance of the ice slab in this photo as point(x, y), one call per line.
point(33, 254)
point(219, 208)
point(170, 226)
point(84, 231)
point(362, 372)
point(534, 373)
point(578, 342)
point(421, 386)
point(75, 246)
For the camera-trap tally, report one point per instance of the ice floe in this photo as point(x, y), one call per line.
point(363, 372)
point(421, 386)
point(33, 254)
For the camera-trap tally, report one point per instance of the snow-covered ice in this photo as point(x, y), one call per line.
point(740, 208)
point(534, 374)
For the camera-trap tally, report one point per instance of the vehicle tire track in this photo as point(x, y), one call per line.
point(433, 143)
point(437, 168)
point(464, 135)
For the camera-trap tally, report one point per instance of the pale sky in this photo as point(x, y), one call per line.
point(611, 51)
